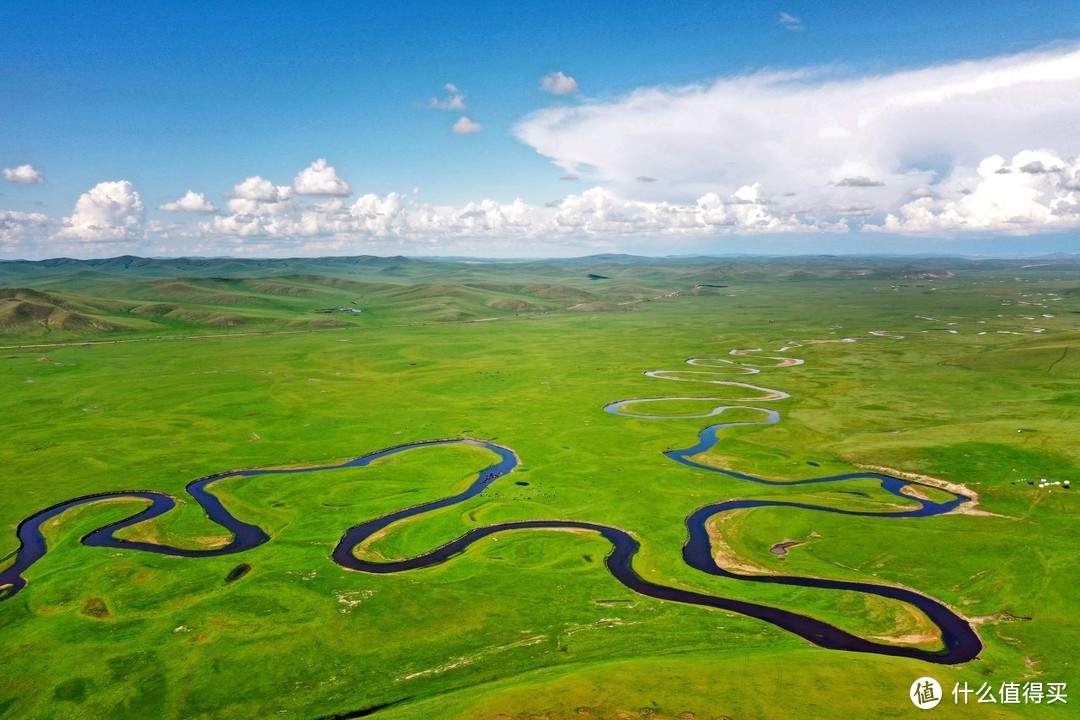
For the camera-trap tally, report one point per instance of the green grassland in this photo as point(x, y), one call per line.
point(132, 374)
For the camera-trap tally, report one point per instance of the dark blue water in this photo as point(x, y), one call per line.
point(960, 640)
point(32, 545)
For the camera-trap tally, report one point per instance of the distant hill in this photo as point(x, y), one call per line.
point(64, 298)
point(23, 310)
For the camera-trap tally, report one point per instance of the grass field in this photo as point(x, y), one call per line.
point(972, 379)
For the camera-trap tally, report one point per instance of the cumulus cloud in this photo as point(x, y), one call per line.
point(24, 175)
point(558, 83)
point(320, 179)
point(257, 207)
point(790, 22)
point(18, 229)
point(600, 212)
point(593, 216)
point(464, 126)
point(258, 189)
point(192, 202)
point(454, 100)
point(13, 219)
point(23, 233)
point(817, 135)
point(108, 211)
point(1038, 190)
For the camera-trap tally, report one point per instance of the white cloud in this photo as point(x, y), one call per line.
point(257, 207)
point(24, 175)
point(330, 207)
point(454, 100)
point(814, 142)
point(257, 188)
point(19, 231)
point(592, 217)
point(557, 83)
point(1036, 190)
point(381, 216)
point(108, 211)
point(192, 202)
point(250, 217)
point(320, 179)
point(464, 125)
point(13, 219)
point(790, 22)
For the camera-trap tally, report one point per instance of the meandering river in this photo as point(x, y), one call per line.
point(961, 643)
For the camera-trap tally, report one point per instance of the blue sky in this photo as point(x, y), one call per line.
point(674, 128)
